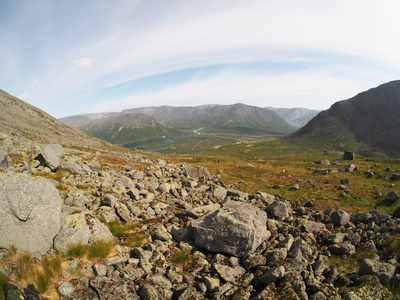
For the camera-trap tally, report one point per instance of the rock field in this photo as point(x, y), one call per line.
point(237, 245)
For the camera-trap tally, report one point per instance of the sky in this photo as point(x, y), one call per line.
point(82, 56)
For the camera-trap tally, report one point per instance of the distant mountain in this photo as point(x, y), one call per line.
point(22, 121)
point(125, 128)
point(236, 119)
point(369, 120)
point(295, 116)
point(78, 120)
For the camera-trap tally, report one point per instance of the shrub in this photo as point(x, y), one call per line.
point(100, 249)
point(77, 250)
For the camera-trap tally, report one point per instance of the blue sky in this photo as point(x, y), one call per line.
point(80, 56)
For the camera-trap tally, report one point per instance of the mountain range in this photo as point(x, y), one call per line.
point(147, 123)
point(366, 122)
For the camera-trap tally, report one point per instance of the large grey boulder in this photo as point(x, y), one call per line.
point(236, 229)
point(383, 270)
point(30, 212)
point(340, 217)
point(80, 228)
point(51, 156)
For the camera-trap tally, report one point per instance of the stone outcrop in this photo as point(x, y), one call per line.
point(30, 212)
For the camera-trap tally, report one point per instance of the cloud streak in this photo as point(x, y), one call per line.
point(343, 45)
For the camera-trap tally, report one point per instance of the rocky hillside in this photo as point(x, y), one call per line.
point(295, 116)
point(368, 119)
point(20, 121)
point(96, 223)
point(123, 129)
point(237, 118)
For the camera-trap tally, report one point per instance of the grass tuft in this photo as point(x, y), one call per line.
point(118, 229)
point(183, 258)
point(100, 249)
point(77, 250)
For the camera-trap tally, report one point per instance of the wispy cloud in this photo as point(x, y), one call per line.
point(82, 63)
point(139, 39)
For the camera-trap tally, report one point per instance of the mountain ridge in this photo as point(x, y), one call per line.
point(369, 120)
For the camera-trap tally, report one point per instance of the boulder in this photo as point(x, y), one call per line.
point(279, 209)
point(315, 227)
point(236, 229)
point(383, 270)
point(196, 173)
point(350, 168)
point(51, 156)
point(81, 228)
point(392, 197)
point(349, 155)
point(340, 217)
point(30, 212)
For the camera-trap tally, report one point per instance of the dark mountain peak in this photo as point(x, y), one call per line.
point(370, 118)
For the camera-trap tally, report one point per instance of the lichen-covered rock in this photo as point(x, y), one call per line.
point(383, 270)
point(236, 229)
point(51, 156)
point(80, 228)
point(30, 212)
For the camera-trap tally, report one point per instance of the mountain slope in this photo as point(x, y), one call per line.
point(126, 128)
point(237, 118)
point(369, 119)
point(295, 116)
point(20, 120)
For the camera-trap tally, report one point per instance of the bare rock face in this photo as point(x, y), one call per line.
point(235, 229)
point(30, 212)
point(51, 156)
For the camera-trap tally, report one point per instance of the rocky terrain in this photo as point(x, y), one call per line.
point(201, 239)
point(182, 232)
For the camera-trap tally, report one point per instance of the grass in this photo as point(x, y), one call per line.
point(136, 240)
point(118, 229)
point(99, 249)
point(182, 258)
point(3, 284)
point(349, 263)
point(40, 275)
point(392, 244)
point(77, 250)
